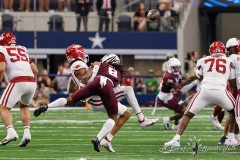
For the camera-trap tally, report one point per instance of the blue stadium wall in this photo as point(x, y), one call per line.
point(123, 40)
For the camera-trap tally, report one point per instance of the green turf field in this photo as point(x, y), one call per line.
point(67, 133)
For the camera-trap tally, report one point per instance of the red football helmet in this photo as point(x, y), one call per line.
point(217, 47)
point(76, 51)
point(7, 39)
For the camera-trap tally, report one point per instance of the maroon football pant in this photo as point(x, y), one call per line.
point(173, 105)
point(105, 92)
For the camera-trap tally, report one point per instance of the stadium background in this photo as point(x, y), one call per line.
point(198, 25)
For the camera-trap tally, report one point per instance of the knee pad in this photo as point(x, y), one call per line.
point(231, 111)
point(189, 115)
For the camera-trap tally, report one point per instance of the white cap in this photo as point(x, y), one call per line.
point(130, 69)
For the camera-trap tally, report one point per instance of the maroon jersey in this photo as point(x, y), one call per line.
point(110, 72)
point(168, 79)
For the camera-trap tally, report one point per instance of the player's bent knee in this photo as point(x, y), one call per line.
point(128, 89)
point(70, 100)
point(21, 105)
point(231, 111)
point(189, 115)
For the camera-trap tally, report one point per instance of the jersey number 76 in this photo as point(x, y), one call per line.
point(220, 65)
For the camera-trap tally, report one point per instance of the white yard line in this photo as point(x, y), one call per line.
point(83, 108)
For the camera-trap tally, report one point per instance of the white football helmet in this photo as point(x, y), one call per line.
point(111, 58)
point(232, 42)
point(174, 65)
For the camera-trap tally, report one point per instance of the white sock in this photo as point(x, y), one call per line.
point(177, 137)
point(26, 131)
point(132, 100)
point(109, 137)
point(58, 103)
point(107, 127)
point(140, 117)
point(236, 136)
point(230, 135)
point(10, 129)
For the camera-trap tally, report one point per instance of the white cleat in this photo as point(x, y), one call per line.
point(172, 143)
point(237, 137)
point(166, 122)
point(24, 142)
point(216, 123)
point(231, 142)
point(174, 127)
point(148, 122)
point(107, 145)
point(13, 136)
point(220, 128)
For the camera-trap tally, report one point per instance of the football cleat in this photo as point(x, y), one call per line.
point(107, 145)
point(24, 142)
point(222, 140)
point(96, 143)
point(216, 123)
point(237, 137)
point(148, 122)
point(175, 127)
point(231, 142)
point(10, 137)
point(166, 122)
point(40, 110)
point(172, 143)
point(218, 128)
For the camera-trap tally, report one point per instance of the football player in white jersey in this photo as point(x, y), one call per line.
point(232, 53)
point(214, 71)
point(21, 72)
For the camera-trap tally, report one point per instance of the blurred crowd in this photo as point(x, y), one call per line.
point(169, 11)
point(51, 84)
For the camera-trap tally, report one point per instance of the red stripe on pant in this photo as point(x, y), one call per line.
point(192, 100)
point(7, 90)
point(236, 108)
point(230, 96)
point(8, 94)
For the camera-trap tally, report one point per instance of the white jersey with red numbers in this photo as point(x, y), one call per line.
point(236, 61)
point(76, 66)
point(17, 62)
point(216, 71)
point(18, 70)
